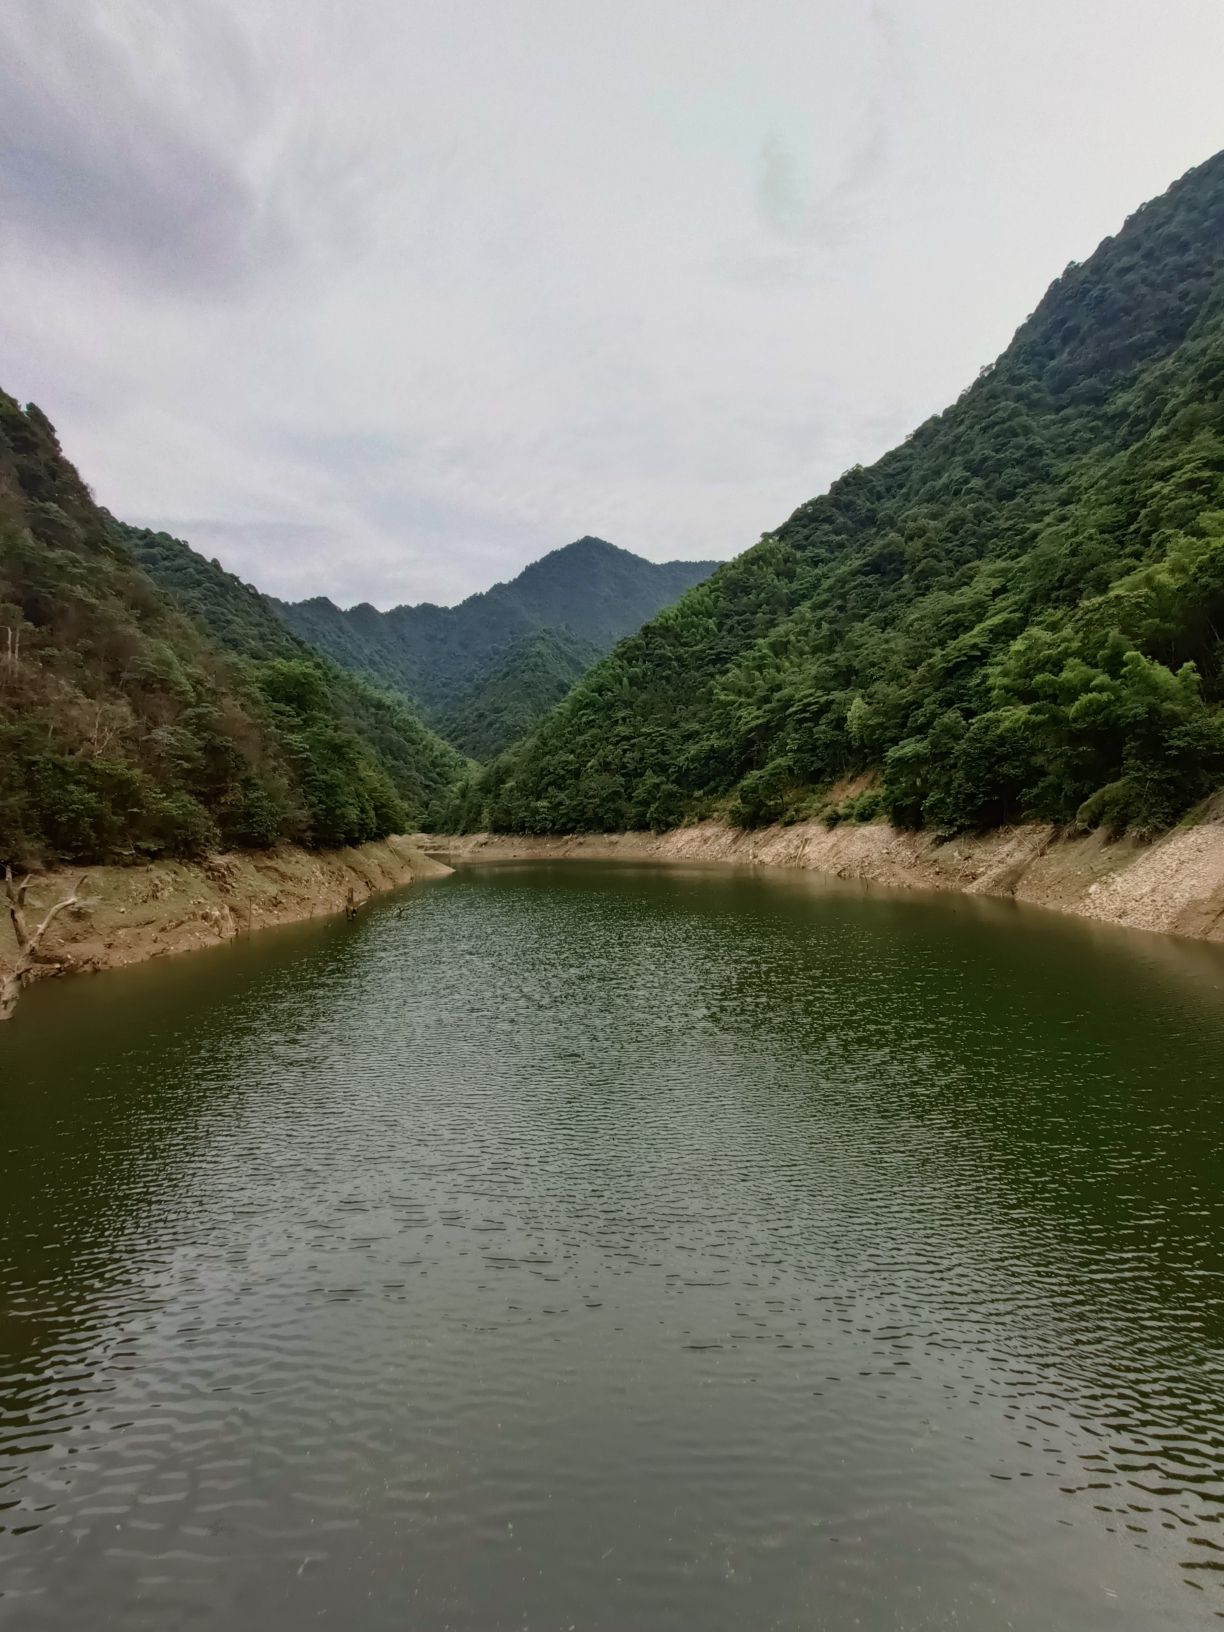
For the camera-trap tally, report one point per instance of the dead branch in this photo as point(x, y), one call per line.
point(32, 957)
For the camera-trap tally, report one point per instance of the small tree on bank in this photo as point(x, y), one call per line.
point(32, 959)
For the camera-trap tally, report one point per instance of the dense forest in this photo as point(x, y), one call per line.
point(1015, 614)
point(511, 698)
point(132, 726)
point(242, 621)
point(588, 594)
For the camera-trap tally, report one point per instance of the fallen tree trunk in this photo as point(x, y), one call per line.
point(32, 959)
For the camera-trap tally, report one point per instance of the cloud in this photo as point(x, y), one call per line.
point(385, 300)
point(95, 160)
point(825, 215)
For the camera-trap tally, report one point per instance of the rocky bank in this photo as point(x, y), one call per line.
point(1174, 885)
point(133, 913)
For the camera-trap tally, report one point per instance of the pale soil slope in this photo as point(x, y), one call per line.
point(1175, 885)
point(176, 906)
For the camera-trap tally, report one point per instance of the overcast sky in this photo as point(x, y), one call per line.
point(382, 299)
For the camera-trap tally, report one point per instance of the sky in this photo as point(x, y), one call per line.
point(383, 299)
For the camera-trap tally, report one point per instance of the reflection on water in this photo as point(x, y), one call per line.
point(611, 1247)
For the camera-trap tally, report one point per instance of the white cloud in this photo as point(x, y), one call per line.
point(385, 300)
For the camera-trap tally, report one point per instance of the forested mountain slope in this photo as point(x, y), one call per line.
point(242, 620)
point(1016, 613)
point(126, 733)
point(589, 590)
point(511, 698)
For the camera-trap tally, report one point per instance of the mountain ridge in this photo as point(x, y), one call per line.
point(589, 547)
point(128, 732)
point(1012, 615)
point(594, 591)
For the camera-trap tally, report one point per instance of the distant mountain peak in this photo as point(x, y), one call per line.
point(589, 590)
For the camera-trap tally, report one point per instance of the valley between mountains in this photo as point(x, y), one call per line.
point(1009, 624)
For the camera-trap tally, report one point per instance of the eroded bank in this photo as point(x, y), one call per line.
point(1174, 885)
point(129, 914)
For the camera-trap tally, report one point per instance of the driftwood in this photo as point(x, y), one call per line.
point(32, 959)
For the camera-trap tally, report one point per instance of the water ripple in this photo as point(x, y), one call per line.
point(605, 1247)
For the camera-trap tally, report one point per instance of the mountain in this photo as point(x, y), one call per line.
point(591, 591)
point(513, 696)
point(1015, 614)
point(243, 622)
point(128, 731)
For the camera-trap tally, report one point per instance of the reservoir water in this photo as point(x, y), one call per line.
point(599, 1247)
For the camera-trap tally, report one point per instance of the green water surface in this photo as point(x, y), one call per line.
point(604, 1247)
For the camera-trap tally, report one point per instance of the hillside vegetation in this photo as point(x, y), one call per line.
point(127, 732)
point(243, 622)
point(1015, 614)
point(588, 594)
point(511, 698)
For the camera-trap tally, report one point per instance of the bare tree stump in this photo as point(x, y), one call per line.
point(32, 960)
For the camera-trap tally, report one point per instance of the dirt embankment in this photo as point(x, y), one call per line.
point(134, 913)
point(1175, 885)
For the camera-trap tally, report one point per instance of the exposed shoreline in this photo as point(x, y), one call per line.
point(166, 907)
point(1174, 886)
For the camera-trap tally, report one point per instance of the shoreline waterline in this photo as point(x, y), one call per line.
point(1173, 885)
point(159, 909)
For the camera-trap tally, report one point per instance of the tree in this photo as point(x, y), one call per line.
point(33, 959)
